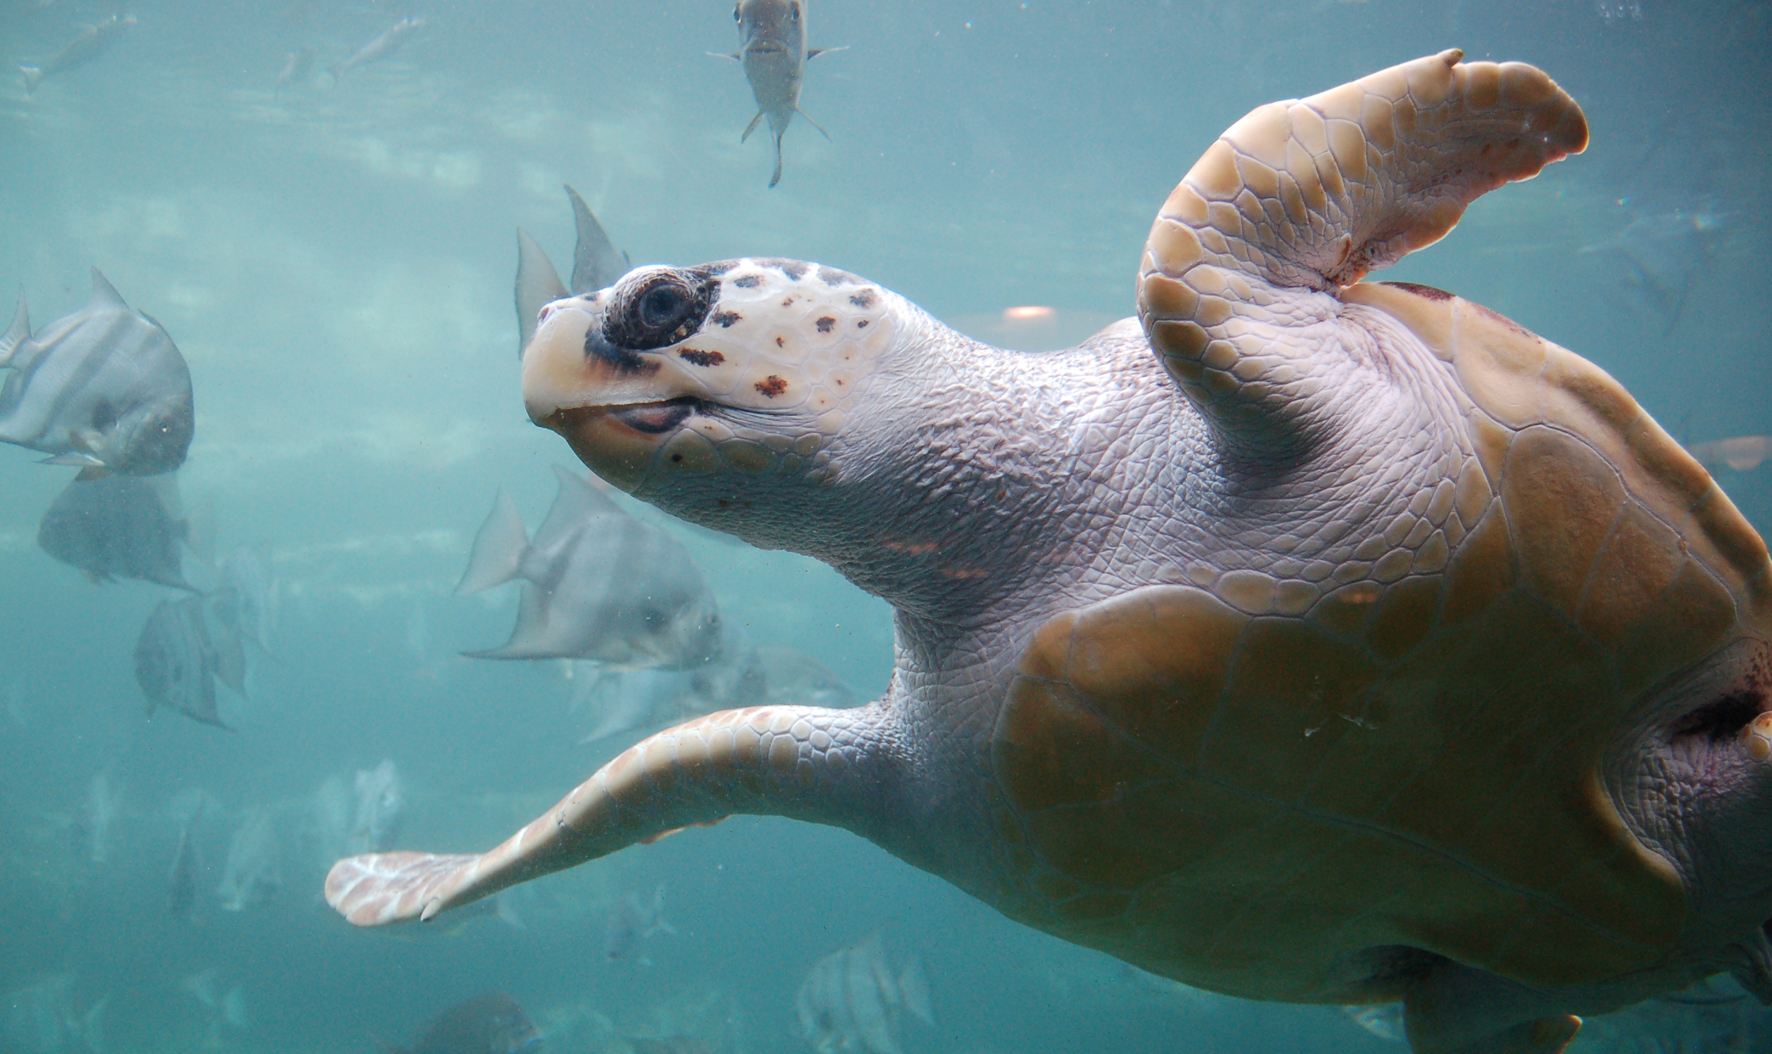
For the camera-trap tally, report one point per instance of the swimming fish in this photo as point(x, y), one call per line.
point(853, 1001)
point(772, 49)
point(486, 1024)
point(632, 921)
point(104, 388)
point(743, 676)
point(1741, 453)
point(1663, 256)
point(381, 807)
point(598, 584)
point(389, 41)
point(296, 66)
point(595, 265)
point(45, 1018)
point(181, 880)
point(120, 527)
point(245, 601)
point(253, 870)
point(98, 816)
point(175, 661)
point(92, 42)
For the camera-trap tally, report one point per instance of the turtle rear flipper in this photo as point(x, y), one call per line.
point(1237, 286)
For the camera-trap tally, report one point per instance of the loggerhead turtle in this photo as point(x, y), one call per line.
point(1358, 645)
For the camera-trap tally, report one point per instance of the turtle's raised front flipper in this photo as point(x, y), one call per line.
point(1237, 286)
point(805, 762)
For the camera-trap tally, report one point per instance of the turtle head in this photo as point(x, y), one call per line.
point(678, 383)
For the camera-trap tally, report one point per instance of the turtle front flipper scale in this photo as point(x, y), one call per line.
point(1303, 197)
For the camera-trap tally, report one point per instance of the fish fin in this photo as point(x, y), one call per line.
point(812, 53)
point(749, 128)
point(913, 989)
point(498, 550)
point(33, 75)
point(592, 253)
point(733, 55)
point(92, 472)
point(813, 123)
point(18, 332)
point(104, 292)
point(538, 285)
point(77, 457)
point(776, 177)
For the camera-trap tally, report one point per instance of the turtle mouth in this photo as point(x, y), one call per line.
point(649, 418)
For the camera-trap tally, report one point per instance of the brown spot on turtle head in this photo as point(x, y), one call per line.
point(865, 298)
point(697, 357)
point(725, 319)
point(863, 324)
point(772, 386)
point(825, 322)
point(749, 281)
point(780, 343)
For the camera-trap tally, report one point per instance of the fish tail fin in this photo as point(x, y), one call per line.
point(813, 123)
point(913, 989)
point(17, 333)
point(749, 128)
point(776, 178)
point(32, 76)
point(498, 548)
point(812, 53)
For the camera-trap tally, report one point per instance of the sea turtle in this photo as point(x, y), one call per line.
point(1358, 645)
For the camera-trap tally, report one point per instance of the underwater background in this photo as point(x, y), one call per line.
point(334, 257)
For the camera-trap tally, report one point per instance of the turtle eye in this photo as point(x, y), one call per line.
point(664, 308)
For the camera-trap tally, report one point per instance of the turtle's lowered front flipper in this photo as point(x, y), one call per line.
point(805, 762)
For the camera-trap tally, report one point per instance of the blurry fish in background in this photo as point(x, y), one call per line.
point(381, 808)
point(296, 67)
point(386, 43)
point(175, 663)
point(853, 1001)
point(92, 42)
point(245, 603)
point(1611, 11)
point(253, 871)
point(122, 527)
point(98, 815)
point(595, 265)
point(597, 584)
point(227, 1010)
point(45, 1018)
point(632, 921)
point(181, 879)
point(772, 49)
point(743, 676)
point(1384, 1020)
point(1741, 453)
point(486, 1024)
point(104, 388)
point(1662, 257)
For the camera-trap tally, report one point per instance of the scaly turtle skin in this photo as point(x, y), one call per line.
point(1358, 645)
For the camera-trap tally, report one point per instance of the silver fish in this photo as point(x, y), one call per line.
point(253, 871)
point(1741, 453)
point(487, 1024)
point(296, 66)
point(853, 1001)
point(92, 42)
point(98, 816)
point(772, 49)
point(595, 265)
point(743, 676)
point(245, 601)
point(45, 1018)
point(598, 584)
point(175, 661)
point(119, 527)
point(104, 388)
point(389, 41)
point(381, 807)
point(632, 921)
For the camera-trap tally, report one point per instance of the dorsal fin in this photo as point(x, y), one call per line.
point(103, 292)
point(538, 285)
point(595, 263)
point(1238, 286)
point(17, 333)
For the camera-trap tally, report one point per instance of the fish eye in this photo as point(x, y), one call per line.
point(794, 12)
point(736, 17)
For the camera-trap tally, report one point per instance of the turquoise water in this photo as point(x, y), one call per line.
point(335, 262)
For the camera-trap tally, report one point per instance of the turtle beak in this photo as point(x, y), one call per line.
point(615, 406)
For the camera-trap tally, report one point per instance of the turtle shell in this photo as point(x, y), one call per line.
point(1413, 750)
